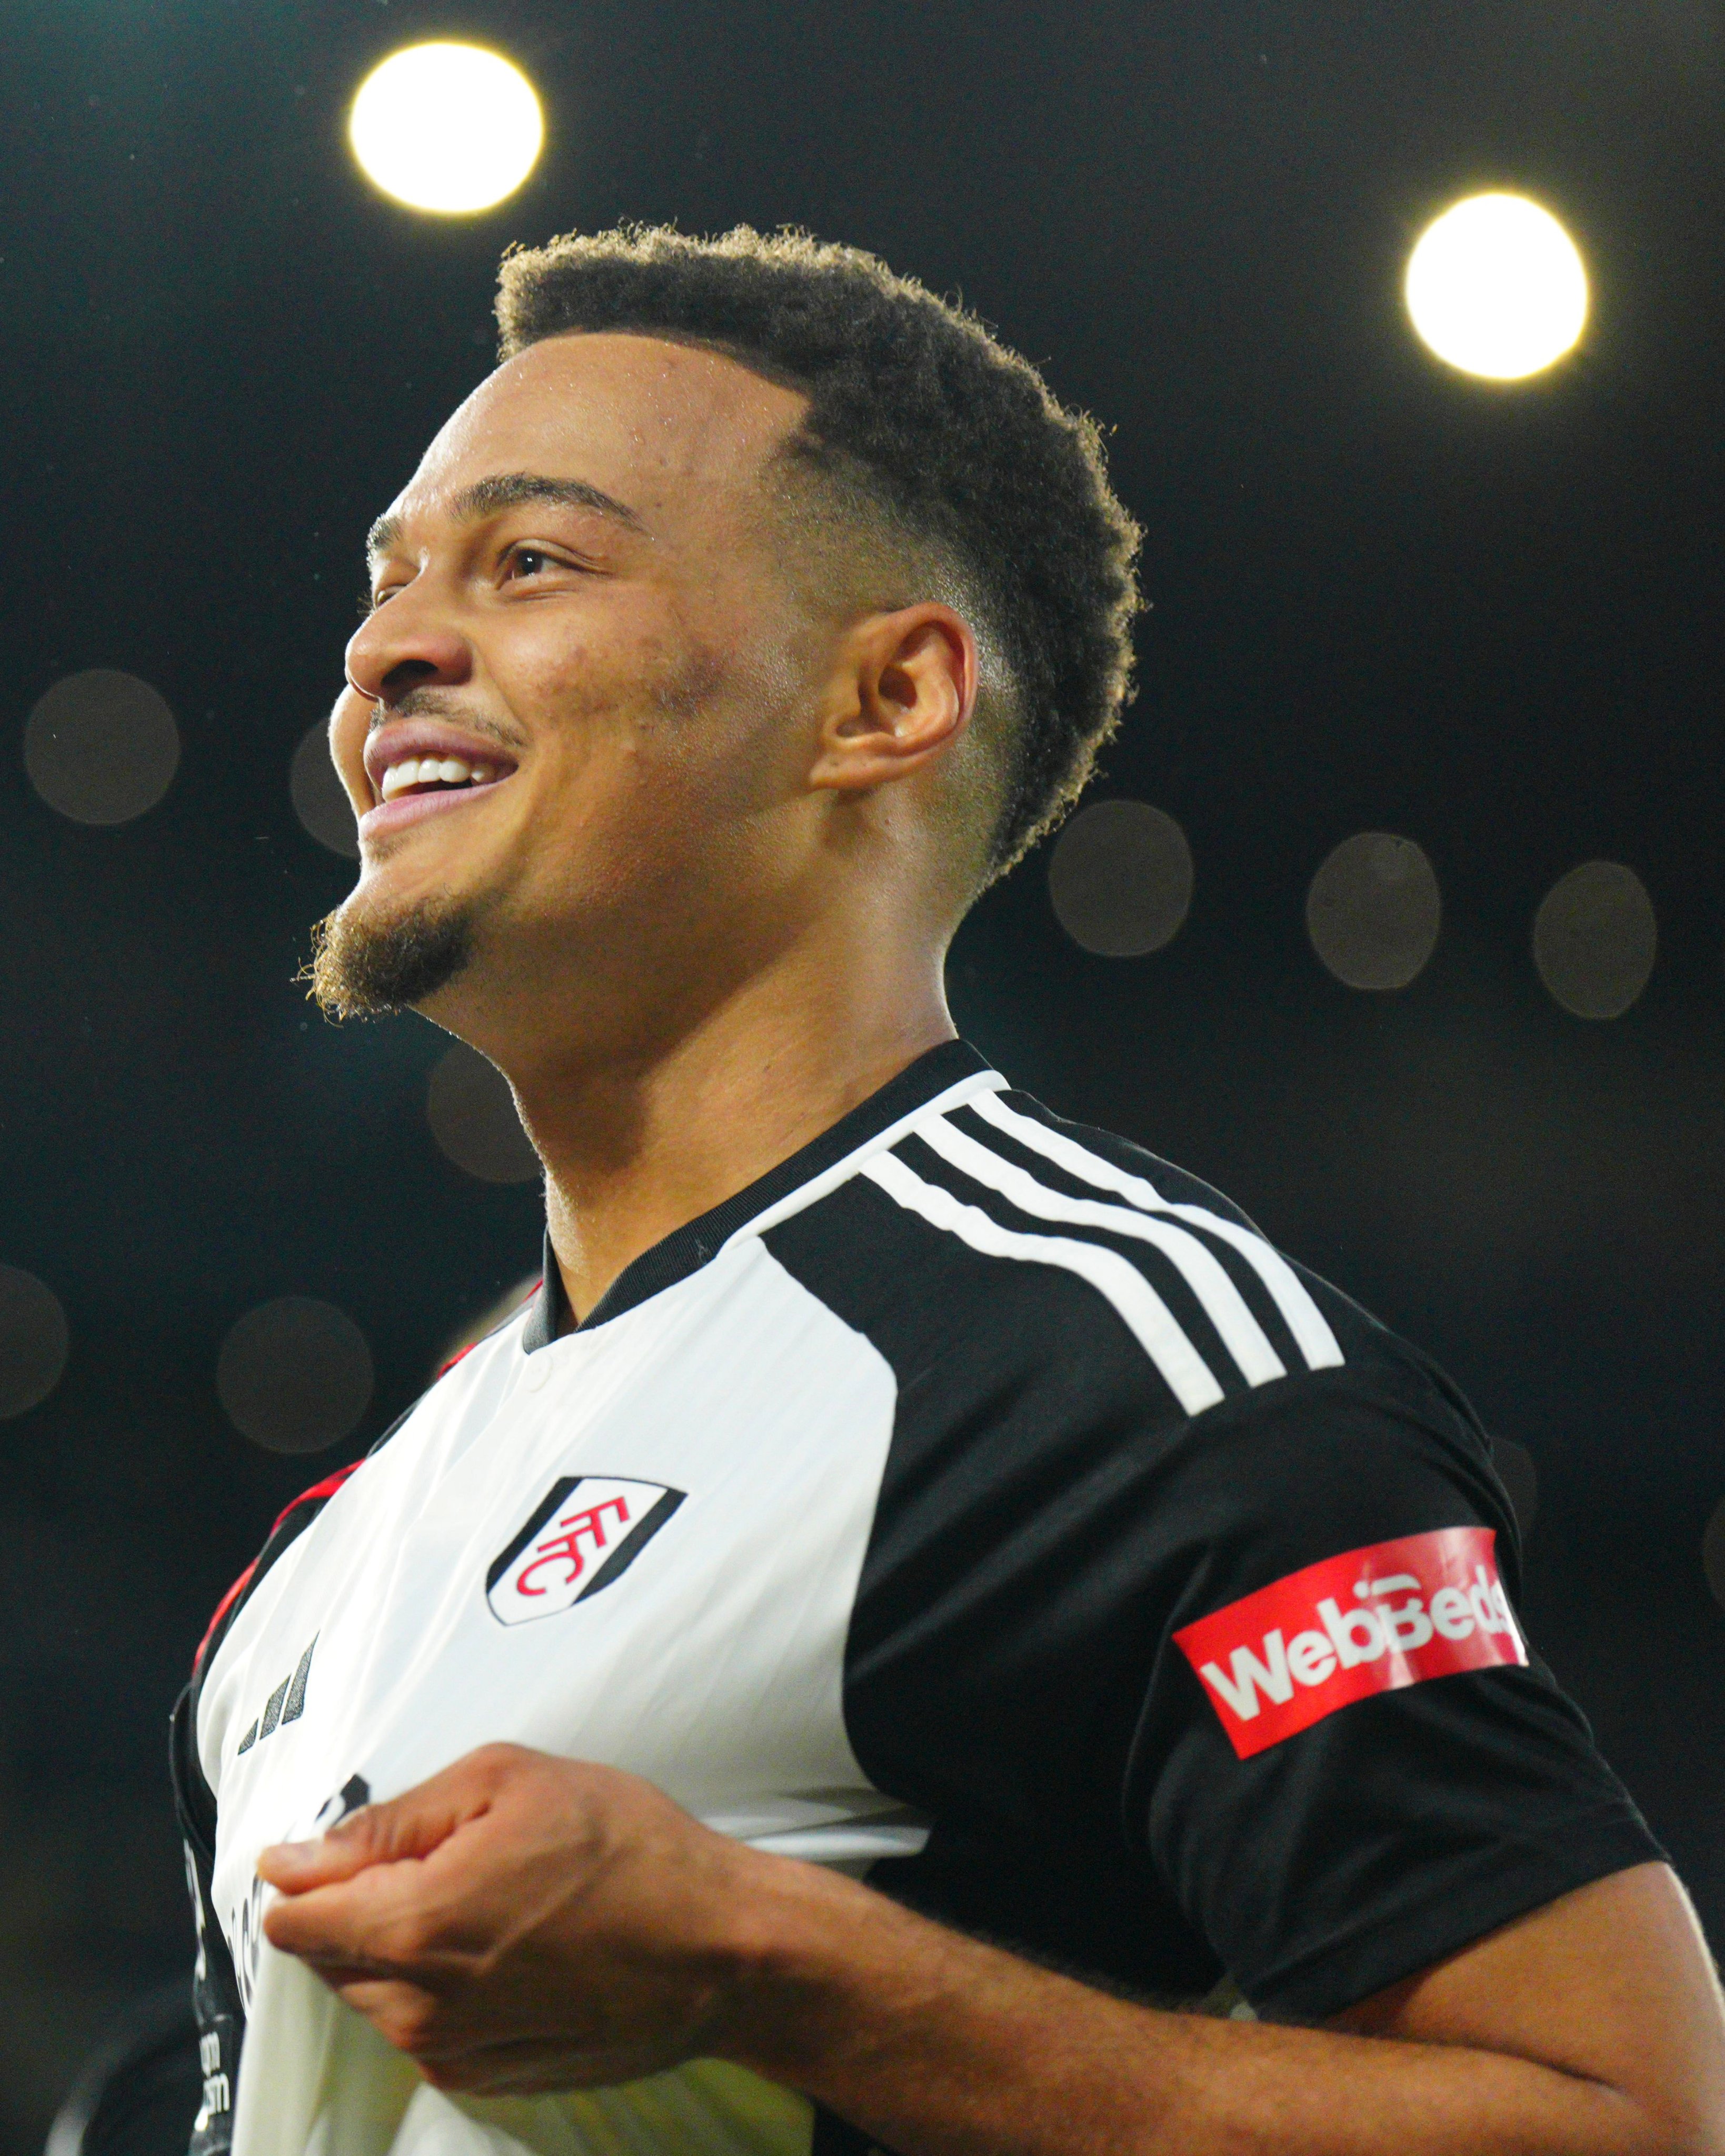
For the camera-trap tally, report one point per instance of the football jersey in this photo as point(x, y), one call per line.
point(974, 1502)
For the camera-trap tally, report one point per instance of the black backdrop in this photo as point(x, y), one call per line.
point(1384, 597)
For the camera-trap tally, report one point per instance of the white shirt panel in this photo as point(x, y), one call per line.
point(713, 1666)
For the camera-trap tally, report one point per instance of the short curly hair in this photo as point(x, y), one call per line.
point(923, 424)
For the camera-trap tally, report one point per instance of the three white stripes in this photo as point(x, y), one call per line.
point(1147, 1217)
point(1189, 1377)
point(1300, 1313)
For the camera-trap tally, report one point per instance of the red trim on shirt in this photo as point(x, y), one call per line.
point(222, 1607)
point(325, 1489)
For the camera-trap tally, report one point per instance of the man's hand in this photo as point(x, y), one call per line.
point(521, 1924)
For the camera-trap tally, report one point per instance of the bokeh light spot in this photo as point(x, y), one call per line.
point(1595, 937)
point(295, 1375)
point(101, 746)
point(1121, 879)
point(1497, 288)
point(472, 1115)
point(1373, 911)
point(447, 127)
point(34, 1341)
point(318, 798)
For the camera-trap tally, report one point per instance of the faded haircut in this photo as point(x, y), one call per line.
point(945, 451)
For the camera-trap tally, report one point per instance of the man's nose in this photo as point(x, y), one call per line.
point(408, 644)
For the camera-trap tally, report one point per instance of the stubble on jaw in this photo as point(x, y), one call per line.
point(369, 963)
point(363, 967)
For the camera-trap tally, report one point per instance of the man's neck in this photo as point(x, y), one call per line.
point(634, 1150)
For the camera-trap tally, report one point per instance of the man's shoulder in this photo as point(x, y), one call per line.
point(993, 1237)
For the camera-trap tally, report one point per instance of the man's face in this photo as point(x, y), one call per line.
point(570, 735)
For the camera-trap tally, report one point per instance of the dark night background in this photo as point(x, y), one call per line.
point(1385, 597)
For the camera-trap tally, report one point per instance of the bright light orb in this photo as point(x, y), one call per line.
point(446, 127)
point(1497, 288)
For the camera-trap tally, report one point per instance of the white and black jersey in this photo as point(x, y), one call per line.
point(975, 1501)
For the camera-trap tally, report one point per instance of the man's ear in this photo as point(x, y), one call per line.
point(904, 696)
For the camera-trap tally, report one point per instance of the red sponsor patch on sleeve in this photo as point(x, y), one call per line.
point(1372, 1620)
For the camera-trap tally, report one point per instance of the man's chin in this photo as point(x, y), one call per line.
point(365, 963)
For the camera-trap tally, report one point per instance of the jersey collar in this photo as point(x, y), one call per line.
point(687, 1249)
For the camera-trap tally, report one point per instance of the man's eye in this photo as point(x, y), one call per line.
point(535, 561)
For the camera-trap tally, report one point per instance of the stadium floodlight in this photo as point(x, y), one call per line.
point(1496, 287)
point(450, 128)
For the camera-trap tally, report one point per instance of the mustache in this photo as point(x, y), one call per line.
point(430, 703)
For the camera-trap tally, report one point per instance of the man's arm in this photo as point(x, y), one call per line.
point(521, 1924)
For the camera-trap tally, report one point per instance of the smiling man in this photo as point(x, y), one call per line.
point(926, 1609)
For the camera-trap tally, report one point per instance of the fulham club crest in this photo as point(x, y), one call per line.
point(583, 1533)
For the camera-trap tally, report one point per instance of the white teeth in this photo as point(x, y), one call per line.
point(434, 771)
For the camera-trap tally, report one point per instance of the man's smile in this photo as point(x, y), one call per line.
point(417, 775)
point(417, 768)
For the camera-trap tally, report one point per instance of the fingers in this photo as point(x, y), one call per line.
point(402, 2013)
point(518, 1922)
point(350, 1926)
point(385, 1891)
point(412, 1825)
point(295, 1867)
point(455, 2052)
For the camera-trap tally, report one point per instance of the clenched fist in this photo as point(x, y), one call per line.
point(521, 1924)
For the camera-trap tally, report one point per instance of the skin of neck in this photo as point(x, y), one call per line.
point(718, 1031)
point(709, 900)
point(638, 1140)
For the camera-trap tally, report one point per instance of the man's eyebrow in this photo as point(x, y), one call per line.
point(502, 490)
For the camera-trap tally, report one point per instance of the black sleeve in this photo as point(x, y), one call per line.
point(1394, 1827)
point(1016, 1670)
point(1051, 1525)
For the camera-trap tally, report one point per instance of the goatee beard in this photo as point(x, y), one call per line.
point(362, 967)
